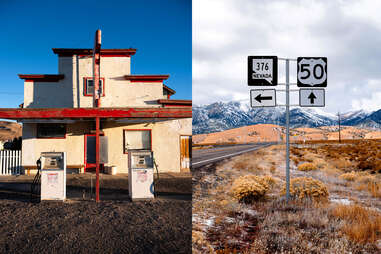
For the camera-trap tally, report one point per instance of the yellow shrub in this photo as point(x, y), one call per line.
point(306, 187)
point(307, 166)
point(349, 176)
point(249, 188)
point(269, 180)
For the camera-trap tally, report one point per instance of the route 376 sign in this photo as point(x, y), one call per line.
point(262, 71)
point(312, 71)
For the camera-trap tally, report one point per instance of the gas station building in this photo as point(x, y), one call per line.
point(136, 112)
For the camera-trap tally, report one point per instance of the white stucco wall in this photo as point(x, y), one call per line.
point(165, 143)
point(69, 92)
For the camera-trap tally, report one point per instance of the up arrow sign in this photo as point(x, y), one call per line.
point(265, 98)
point(312, 98)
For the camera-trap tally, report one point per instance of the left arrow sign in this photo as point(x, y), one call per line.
point(259, 98)
point(263, 98)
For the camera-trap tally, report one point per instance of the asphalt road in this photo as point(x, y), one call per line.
point(202, 157)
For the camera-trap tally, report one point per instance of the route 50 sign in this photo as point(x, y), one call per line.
point(312, 71)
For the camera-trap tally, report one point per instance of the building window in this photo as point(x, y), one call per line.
point(137, 140)
point(89, 86)
point(51, 130)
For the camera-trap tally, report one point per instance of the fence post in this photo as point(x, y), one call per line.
point(1, 162)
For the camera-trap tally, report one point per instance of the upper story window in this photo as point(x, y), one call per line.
point(89, 86)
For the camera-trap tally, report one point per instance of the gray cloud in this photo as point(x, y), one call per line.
point(225, 32)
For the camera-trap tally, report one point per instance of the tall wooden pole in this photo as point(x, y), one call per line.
point(338, 115)
point(96, 100)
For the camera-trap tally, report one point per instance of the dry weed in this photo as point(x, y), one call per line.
point(351, 176)
point(307, 187)
point(249, 188)
point(308, 166)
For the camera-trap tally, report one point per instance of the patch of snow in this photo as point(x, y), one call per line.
point(343, 201)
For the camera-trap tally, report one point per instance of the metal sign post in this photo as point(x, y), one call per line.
point(311, 72)
point(287, 129)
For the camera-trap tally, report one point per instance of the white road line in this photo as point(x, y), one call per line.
point(229, 155)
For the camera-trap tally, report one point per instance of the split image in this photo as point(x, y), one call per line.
point(186, 126)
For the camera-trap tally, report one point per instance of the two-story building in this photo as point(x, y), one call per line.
point(136, 112)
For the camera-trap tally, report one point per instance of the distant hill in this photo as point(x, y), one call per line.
point(10, 130)
point(275, 133)
point(222, 116)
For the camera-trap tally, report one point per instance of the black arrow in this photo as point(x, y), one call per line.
point(312, 98)
point(259, 98)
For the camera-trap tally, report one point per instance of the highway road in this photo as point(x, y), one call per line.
point(202, 157)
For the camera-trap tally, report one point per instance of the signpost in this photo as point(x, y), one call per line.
point(263, 98)
point(312, 97)
point(262, 71)
point(311, 73)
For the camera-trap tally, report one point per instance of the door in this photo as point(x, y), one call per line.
point(90, 153)
point(185, 152)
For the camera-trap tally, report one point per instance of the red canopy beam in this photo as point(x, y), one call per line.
point(35, 113)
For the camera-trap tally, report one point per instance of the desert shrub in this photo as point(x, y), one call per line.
point(351, 176)
point(307, 166)
point(362, 225)
point(306, 187)
point(249, 188)
point(269, 180)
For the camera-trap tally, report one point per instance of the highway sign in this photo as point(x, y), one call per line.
point(262, 98)
point(312, 97)
point(262, 71)
point(312, 71)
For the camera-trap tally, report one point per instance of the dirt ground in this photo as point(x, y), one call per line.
point(79, 225)
point(222, 224)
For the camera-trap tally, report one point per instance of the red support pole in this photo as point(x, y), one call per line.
point(97, 159)
point(96, 99)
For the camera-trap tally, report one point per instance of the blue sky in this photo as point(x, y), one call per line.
point(161, 31)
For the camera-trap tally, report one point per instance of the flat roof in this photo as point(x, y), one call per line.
point(87, 51)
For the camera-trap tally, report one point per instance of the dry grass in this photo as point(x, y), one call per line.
point(308, 166)
point(361, 225)
point(270, 225)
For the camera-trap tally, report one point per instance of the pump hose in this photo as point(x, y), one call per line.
point(157, 174)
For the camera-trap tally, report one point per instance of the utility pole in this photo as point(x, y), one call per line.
point(338, 115)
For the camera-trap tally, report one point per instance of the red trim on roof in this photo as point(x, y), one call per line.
point(146, 78)
point(42, 77)
point(104, 52)
point(36, 113)
point(169, 90)
point(175, 103)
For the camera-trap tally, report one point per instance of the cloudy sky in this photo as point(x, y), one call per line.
point(225, 32)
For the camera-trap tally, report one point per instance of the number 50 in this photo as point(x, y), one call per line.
point(317, 71)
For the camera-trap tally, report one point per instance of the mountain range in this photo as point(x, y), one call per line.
point(220, 116)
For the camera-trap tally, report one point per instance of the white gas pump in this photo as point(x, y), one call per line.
point(53, 176)
point(140, 174)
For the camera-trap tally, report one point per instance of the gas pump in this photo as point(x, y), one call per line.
point(140, 174)
point(53, 176)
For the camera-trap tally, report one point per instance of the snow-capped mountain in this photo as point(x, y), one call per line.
point(221, 116)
